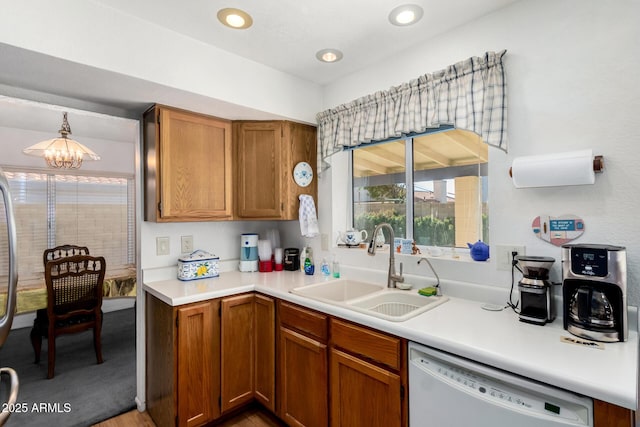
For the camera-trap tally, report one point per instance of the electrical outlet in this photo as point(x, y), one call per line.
point(162, 246)
point(186, 244)
point(503, 255)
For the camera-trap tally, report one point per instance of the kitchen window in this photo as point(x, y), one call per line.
point(430, 187)
point(54, 209)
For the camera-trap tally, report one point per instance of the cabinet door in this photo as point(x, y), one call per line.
point(265, 369)
point(300, 146)
point(363, 394)
point(303, 380)
point(259, 164)
point(195, 167)
point(196, 371)
point(237, 351)
point(609, 415)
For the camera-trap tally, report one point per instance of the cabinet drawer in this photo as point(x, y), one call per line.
point(308, 322)
point(376, 346)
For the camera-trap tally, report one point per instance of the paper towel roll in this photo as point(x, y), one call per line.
point(552, 170)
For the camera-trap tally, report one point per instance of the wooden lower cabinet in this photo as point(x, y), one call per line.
point(302, 375)
point(363, 394)
point(237, 351)
point(208, 358)
point(182, 362)
point(608, 415)
point(367, 377)
point(197, 364)
point(265, 354)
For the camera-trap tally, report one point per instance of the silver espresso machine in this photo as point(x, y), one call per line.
point(594, 291)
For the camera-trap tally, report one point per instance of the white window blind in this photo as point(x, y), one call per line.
point(56, 209)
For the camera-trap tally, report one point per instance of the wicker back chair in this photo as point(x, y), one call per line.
point(74, 302)
point(63, 252)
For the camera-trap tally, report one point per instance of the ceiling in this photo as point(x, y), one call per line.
point(286, 34)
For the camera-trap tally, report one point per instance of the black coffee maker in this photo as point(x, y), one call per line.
point(594, 291)
point(536, 299)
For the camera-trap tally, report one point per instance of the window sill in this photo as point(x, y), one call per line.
point(447, 254)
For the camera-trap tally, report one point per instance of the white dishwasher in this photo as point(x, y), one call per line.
point(447, 390)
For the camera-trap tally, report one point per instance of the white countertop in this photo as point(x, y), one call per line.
point(459, 326)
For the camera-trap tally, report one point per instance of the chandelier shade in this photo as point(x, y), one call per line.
point(62, 152)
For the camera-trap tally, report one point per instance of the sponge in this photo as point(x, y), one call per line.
point(428, 291)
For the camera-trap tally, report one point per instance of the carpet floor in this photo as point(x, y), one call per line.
point(82, 392)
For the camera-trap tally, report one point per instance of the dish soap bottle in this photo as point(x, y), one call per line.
point(309, 268)
point(325, 268)
point(335, 267)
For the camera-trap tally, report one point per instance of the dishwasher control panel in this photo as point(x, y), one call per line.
point(490, 389)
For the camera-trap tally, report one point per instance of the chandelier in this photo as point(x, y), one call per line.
point(62, 152)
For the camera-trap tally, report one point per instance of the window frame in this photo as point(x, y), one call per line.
point(409, 179)
point(50, 207)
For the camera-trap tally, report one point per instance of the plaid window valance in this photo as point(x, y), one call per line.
point(470, 95)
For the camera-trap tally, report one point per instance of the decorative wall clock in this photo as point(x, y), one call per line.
point(303, 174)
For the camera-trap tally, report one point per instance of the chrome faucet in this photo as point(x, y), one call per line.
point(438, 291)
point(392, 277)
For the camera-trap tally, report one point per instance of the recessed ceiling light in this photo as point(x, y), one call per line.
point(407, 14)
point(235, 18)
point(329, 55)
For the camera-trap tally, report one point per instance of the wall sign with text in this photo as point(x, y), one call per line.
point(558, 230)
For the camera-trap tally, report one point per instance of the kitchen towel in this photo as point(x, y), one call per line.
point(308, 217)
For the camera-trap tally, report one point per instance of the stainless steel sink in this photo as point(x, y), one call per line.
point(371, 299)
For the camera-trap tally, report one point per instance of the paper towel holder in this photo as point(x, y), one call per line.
point(597, 164)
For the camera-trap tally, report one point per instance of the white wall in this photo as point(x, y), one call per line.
point(221, 238)
point(570, 68)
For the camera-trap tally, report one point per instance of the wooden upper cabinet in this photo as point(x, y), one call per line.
point(266, 154)
point(259, 147)
point(188, 166)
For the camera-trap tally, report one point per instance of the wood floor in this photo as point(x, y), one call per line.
point(252, 417)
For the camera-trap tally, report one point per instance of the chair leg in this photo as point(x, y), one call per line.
point(36, 342)
point(97, 343)
point(51, 364)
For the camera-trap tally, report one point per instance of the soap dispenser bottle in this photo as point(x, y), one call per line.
point(309, 267)
point(326, 272)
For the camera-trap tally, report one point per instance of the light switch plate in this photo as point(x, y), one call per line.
point(324, 241)
point(187, 244)
point(162, 246)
